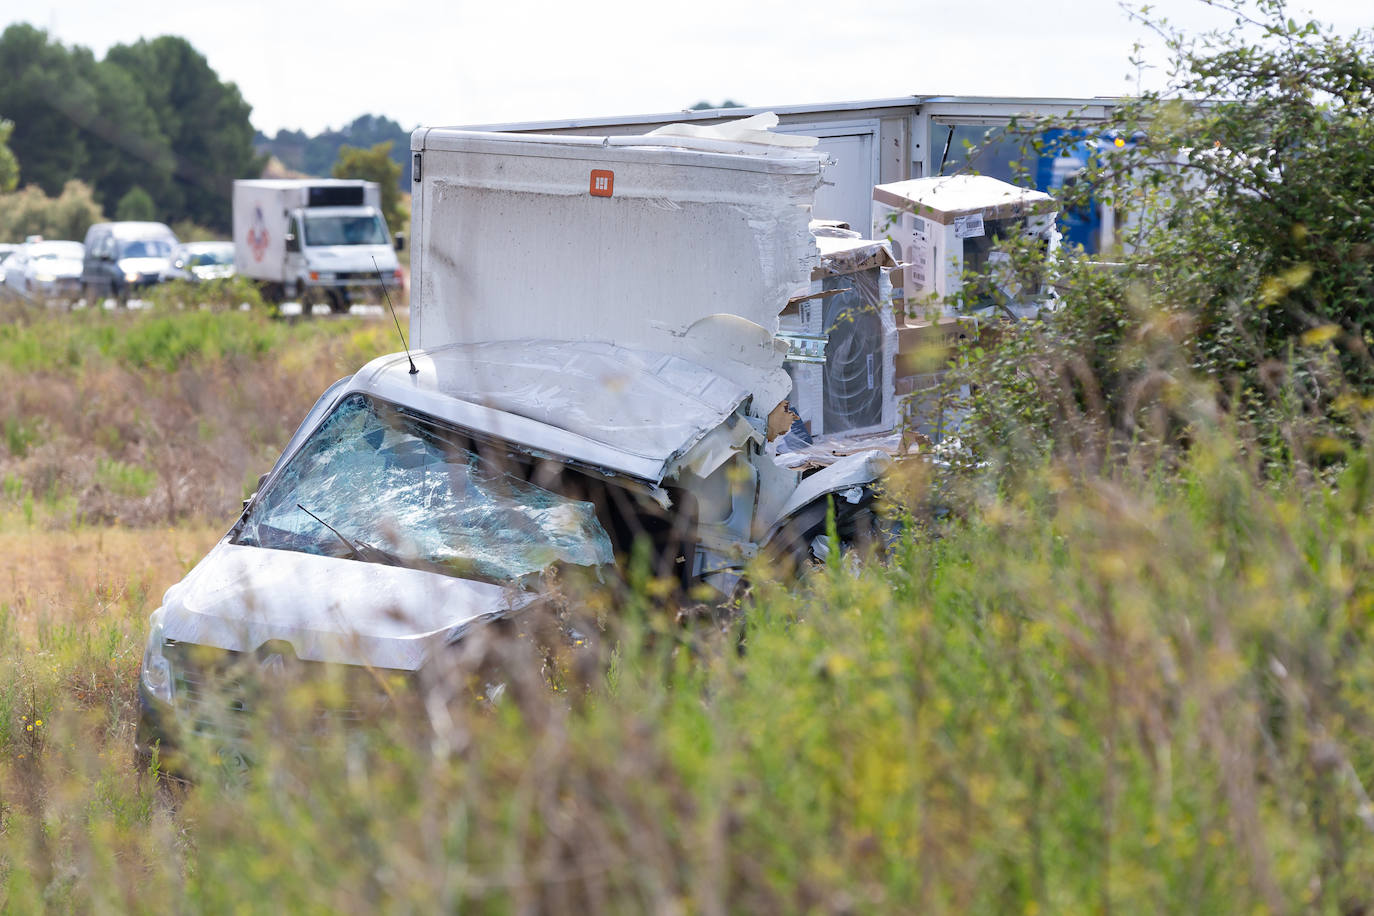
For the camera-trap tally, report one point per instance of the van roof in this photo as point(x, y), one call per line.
point(134, 229)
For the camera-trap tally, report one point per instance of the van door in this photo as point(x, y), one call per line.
point(104, 267)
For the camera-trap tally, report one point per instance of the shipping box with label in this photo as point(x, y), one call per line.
point(944, 229)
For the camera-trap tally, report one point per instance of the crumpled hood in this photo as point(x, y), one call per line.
point(328, 609)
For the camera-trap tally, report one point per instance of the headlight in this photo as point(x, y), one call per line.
point(45, 278)
point(131, 276)
point(157, 671)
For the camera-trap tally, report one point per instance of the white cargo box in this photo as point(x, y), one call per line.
point(262, 210)
point(942, 227)
point(644, 242)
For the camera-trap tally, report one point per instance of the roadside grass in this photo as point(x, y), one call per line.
point(1122, 690)
point(159, 417)
point(1094, 694)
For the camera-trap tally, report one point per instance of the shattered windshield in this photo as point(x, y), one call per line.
point(385, 485)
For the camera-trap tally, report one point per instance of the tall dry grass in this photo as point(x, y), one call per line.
point(142, 419)
point(1144, 689)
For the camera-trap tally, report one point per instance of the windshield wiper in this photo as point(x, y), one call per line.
point(361, 550)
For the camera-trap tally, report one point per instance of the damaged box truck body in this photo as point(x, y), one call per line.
point(595, 370)
point(687, 242)
point(612, 239)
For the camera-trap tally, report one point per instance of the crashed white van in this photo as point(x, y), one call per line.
point(594, 370)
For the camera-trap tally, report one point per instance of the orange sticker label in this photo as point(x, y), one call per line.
point(603, 182)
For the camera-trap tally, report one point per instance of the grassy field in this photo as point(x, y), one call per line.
point(1123, 692)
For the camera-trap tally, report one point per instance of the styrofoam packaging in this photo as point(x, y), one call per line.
point(644, 242)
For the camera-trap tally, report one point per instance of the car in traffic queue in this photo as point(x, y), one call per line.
point(45, 270)
point(124, 257)
point(198, 261)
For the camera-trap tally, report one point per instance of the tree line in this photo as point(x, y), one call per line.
point(151, 128)
point(317, 155)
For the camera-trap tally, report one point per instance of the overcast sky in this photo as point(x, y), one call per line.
point(445, 62)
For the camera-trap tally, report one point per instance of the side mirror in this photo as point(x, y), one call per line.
point(262, 478)
point(292, 243)
point(400, 241)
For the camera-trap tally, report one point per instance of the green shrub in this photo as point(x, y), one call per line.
point(136, 204)
point(1244, 194)
point(124, 479)
point(29, 211)
point(20, 434)
point(220, 294)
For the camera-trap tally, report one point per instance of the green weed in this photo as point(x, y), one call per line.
point(124, 479)
point(20, 435)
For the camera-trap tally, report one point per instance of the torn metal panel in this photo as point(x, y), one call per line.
point(850, 471)
point(238, 598)
point(741, 350)
point(716, 447)
point(746, 134)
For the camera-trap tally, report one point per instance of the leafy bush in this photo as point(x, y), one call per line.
point(219, 294)
point(29, 211)
point(136, 204)
point(1247, 195)
point(124, 479)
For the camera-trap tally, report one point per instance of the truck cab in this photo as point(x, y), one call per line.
point(314, 240)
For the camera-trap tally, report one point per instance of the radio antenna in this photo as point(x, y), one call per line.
point(406, 346)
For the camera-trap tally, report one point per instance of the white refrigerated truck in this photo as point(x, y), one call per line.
point(313, 239)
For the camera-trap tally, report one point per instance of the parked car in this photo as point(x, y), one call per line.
point(45, 270)
point(412, 507)
point(195, 261)
point(124, 257)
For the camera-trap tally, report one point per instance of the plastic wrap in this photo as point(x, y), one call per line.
point(621, 410)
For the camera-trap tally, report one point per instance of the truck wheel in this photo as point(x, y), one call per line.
point(338, 302)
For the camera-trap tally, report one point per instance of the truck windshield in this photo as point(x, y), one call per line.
point(407, 490)
point(344, 230)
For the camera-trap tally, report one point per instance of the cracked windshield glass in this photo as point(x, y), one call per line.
point(382, 482)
